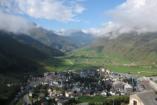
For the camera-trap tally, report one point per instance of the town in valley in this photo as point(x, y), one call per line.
point(70, 87)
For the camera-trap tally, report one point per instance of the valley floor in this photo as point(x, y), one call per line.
point(83, 59)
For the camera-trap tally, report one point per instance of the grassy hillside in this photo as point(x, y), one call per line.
point(37, 45)
point(129, 53)
point(136, 48)
point(14, 55)
point(100, 100)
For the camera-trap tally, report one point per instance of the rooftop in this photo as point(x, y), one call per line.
point(148, 97)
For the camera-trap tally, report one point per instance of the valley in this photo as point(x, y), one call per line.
point(78, 52)
point(85, 58)
point(34, 56)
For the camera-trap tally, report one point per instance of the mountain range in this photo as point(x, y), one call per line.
point(27, 51)
point(78, 37)
point(136, 47)
point(63, 43)
point(31, 53)
point(40, 50)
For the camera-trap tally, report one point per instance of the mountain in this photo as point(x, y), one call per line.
point(23, 38)
point(20, 57)
point(127, 53)
point(78, 37)
point(132, 46)
point(51, 39)
point(22, 53)
point(15, 56)
point(69, 41)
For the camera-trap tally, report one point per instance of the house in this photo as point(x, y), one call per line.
point(128, 88)
point(83, 74)
point(103, 93)
point(103, 72)
point(83, 104)
point(62, 101)
point(26, 100)
point(148, 97)
point(118, 86)
point(76, 89)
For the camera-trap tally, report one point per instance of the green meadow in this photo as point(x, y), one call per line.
point(85, 58)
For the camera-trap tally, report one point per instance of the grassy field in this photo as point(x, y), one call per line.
point(91, 99)
point(138, 70)
point(84, 58)
point(101, 99)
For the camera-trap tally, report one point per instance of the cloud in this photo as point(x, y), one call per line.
point(68, 32)
point(15, 24)
point(132, 15)
point(12, 12)
point(139, 14)
point(79, 8)
point(106, 29)
point(59, 10)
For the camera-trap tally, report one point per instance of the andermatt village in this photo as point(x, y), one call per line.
point(78, 52)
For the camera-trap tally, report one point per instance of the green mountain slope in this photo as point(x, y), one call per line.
point(37, 45)
point(20, 52)
point(19, 60)
point(136, 48)
point(130, 53)
point(15, 56)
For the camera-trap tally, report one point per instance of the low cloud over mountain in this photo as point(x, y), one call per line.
point(132, 15)
point(13, 23)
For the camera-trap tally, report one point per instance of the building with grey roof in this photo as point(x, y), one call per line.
point(148, 97)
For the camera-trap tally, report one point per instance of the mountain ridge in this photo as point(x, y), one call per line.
point(132, 45)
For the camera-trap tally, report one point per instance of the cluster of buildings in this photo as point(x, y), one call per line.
point(147, 95)
point(63, 87)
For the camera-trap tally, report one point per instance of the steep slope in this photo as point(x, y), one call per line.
point(20, 57)
point(22, 53)
point(51, 39)
point(134, 47)
point(16, 60)
point(127, 53)
point(15, 56)
point(38, 45)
